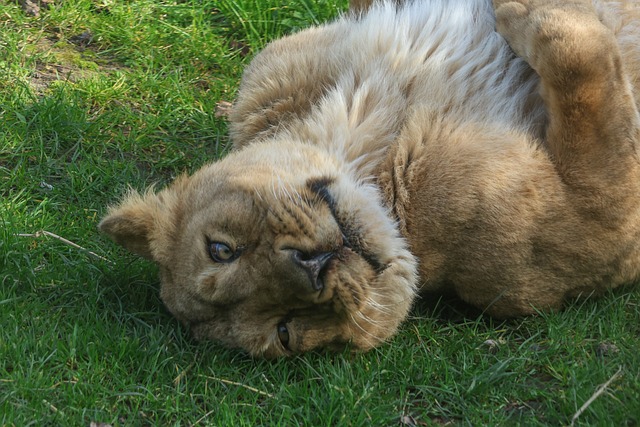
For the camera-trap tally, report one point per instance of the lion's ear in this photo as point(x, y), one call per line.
point(141, 224)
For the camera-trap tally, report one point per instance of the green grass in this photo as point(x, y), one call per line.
point(99, 95)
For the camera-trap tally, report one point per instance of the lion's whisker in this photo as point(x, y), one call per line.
point(376, 338)
point(369, 319)
point(386, 309)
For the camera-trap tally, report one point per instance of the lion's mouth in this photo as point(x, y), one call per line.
point(351, 234)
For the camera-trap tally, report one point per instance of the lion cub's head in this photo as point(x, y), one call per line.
point(275, 249)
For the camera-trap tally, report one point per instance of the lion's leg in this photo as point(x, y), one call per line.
point(594, 128)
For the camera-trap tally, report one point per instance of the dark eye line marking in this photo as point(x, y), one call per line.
point(319, 186)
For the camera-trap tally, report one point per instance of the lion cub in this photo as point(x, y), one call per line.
point(406, 148)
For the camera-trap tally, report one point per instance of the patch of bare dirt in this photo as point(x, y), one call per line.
point(33, 7)
point(46, 74)
point(68, 62)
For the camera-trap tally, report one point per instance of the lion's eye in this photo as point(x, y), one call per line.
point(219, 252)
point(283, 334)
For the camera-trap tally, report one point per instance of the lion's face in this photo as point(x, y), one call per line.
point(274, 249)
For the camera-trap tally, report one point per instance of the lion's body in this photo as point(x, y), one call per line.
point(411, 145)
point(433, 101)
point(360, 79)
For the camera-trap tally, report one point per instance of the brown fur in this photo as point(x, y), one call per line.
point(406, 196)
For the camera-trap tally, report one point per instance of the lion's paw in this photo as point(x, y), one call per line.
point(555, 37)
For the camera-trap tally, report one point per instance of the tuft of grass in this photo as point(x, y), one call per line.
point(97, 96)
point(255, 22)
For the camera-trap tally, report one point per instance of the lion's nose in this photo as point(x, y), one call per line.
point(314, 265)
